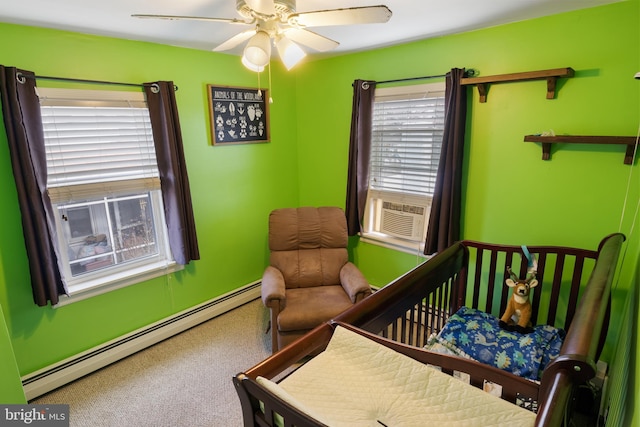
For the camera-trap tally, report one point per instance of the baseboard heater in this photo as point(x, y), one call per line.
point(65, 371)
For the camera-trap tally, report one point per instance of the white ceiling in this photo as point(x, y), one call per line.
point(411, 20)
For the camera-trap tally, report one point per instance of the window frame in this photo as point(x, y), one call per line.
point(119, 275)
point(371, 230)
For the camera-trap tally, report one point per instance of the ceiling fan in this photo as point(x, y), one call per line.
point(278, 20)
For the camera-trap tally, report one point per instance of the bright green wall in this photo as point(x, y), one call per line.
point(11, 389)
point(233, 189)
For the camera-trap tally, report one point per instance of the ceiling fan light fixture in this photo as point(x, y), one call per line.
point(289, 52)
point(250, 66)
point(257, 51)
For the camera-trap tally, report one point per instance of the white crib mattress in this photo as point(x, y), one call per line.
point(357, 382)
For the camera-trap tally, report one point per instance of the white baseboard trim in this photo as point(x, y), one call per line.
point(51, 377)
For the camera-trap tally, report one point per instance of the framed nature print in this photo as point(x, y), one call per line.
point(238, 115)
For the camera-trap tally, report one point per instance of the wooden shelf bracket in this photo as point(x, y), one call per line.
point(551, 76)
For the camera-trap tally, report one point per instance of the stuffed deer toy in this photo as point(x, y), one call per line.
point(517, 316)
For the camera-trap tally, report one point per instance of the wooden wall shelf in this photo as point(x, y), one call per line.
point(546, 141)
point(549, 75)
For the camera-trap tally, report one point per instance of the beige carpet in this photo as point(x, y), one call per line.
point(182, 381)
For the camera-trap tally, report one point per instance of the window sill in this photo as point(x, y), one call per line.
point(401, 245)
point(90, 289)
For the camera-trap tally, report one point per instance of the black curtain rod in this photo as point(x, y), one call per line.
point(21, 76)
point(468, 73)
point(412, 78)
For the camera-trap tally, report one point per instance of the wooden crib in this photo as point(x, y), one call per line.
point(573, 294)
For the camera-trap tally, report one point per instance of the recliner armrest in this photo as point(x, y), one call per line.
point(273, 287)
point(354, 282)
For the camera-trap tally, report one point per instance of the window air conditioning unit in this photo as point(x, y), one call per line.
point(403, 220)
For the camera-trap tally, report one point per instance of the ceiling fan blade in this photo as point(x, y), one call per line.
point(265, 7)
point(348, 16)
point(193, 18)
point(310, 39)
point(235, 40)
point(290, 53)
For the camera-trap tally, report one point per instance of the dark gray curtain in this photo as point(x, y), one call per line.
point(174, 181)
point(23, 124)
point(359, 154)
point(444, 220)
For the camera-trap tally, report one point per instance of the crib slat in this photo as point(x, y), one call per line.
point(412, 322)
point(269, 414)
point(459, 281)
point(394, 330)
point(440, 304)
point(575, 291)
point(524, 265)
point(447, 302)
point(537, 293)
point(504, 290)
point(491, 281)
point(421, 325)
point(555, 289)
point(477, 277)
point(433, 321)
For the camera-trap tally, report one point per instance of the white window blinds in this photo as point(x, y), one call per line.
point(407, 130)
point(106, 143)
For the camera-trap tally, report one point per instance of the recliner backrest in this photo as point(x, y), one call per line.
point(308, 245)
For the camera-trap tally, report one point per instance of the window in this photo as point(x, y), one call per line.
point(103, 182)
point(407, 131)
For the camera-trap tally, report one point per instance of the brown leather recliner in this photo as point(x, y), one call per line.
point(310, 279)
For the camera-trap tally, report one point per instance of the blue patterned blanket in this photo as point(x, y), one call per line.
point(476, 335)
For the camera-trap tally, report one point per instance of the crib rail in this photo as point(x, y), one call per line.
point(415, 305)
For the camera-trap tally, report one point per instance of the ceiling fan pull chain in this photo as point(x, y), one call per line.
point(259, 90)
point(270, 88)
